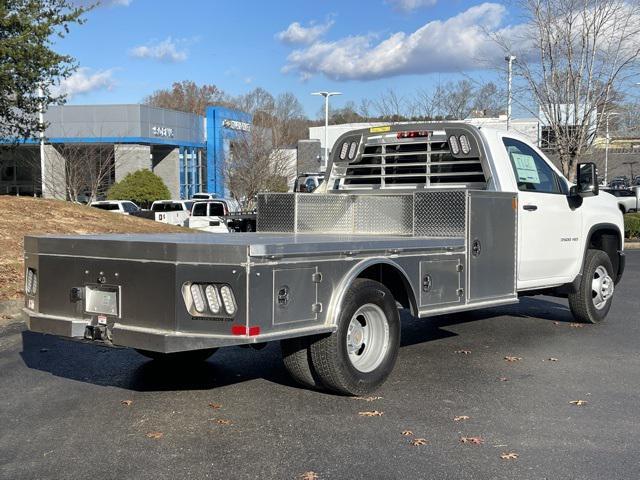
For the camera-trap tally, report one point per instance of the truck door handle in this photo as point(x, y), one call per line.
point(530, 208)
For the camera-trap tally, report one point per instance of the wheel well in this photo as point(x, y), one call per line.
point(392, 278)
point(608, 240)
point(622, 209)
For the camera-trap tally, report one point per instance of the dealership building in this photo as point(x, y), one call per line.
point(187, 151)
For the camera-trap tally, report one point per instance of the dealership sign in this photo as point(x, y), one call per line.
point(165, 132)
point(236, 125)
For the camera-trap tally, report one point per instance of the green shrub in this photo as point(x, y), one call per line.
point(142, 187)
point(632, 225)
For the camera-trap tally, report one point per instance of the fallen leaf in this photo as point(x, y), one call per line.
point(512, 359)
point(374, 413)
point(463, 352)
point(155, 435)
point(460, 418)
point(417, 442)
point(368, 399)
point(576, 325)
point(509, 456)
point(126, 403)
point(578, 403)
point(309, 476)
point(407, 433)
point(472, 440)
point(222, 421)
point(215, 406)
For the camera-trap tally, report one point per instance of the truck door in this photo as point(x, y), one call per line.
point(548, 228)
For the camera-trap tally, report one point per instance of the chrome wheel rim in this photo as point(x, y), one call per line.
point(367, 338)
point(601, 287)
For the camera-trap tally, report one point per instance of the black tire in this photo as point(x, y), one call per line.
point(190, 356)
point(583, 302)
point(297, 360)
point(329, 354)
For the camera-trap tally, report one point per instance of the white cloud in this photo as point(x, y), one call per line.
point(84, 81)
point(458, 43)
point(296, 34)
point(410, 5)
point(165, 51)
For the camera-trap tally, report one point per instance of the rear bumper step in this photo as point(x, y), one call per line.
point(165, 341)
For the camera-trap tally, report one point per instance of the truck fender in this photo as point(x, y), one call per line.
point(614, 251)
point(333, 312)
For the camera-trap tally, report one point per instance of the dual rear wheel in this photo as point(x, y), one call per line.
point(360, 354)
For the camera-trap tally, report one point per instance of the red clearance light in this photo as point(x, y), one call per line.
point(253, 331)
point(238, 330)
point(243, 330)
point(414, 134)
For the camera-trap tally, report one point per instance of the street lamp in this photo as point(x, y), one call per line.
point(606, 146)
point(326, 96)
point(509, 59)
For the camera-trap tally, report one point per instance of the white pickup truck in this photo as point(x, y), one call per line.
point(435, 218)
point(173, 212)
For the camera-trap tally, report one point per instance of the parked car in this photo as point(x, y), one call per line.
point(209, 216)
point(125, 207)
point(173, 212)
point(627, 198)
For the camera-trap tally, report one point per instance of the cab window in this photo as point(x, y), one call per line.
point(200, 210)
point(532, 172)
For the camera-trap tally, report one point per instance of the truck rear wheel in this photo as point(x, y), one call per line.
point(592, 301)
point(297, 360)
point(359, 356)
point(190, 356)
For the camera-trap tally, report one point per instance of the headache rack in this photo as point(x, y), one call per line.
point(408, 157)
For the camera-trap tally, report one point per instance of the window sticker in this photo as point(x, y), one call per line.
point(526, 168)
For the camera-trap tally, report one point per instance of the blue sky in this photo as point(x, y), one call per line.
point(129, 48)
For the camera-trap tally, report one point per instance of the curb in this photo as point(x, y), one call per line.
point(632, 245)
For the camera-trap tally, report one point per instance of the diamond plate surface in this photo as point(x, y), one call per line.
point(440, 213)
point(276, 212)
point(388, 214)
point(325, 213)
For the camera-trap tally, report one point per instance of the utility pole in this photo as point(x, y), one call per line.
point(509, 59)
point(326, 96)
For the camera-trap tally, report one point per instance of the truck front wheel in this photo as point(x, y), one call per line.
point(359, 356)
point(592, 301)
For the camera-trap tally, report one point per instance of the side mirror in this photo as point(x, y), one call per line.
point(586, 180)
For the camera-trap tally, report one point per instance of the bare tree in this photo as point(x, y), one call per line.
point(489, 99)
point(570, 55)
point(390, 106)
point(456, 99)
point(187, 96)
point(255, 166)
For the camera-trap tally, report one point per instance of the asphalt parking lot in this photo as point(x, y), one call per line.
point(71, 410)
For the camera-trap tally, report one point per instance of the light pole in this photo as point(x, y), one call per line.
point(509, 59)
point(606, 147)
point(326, 96)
